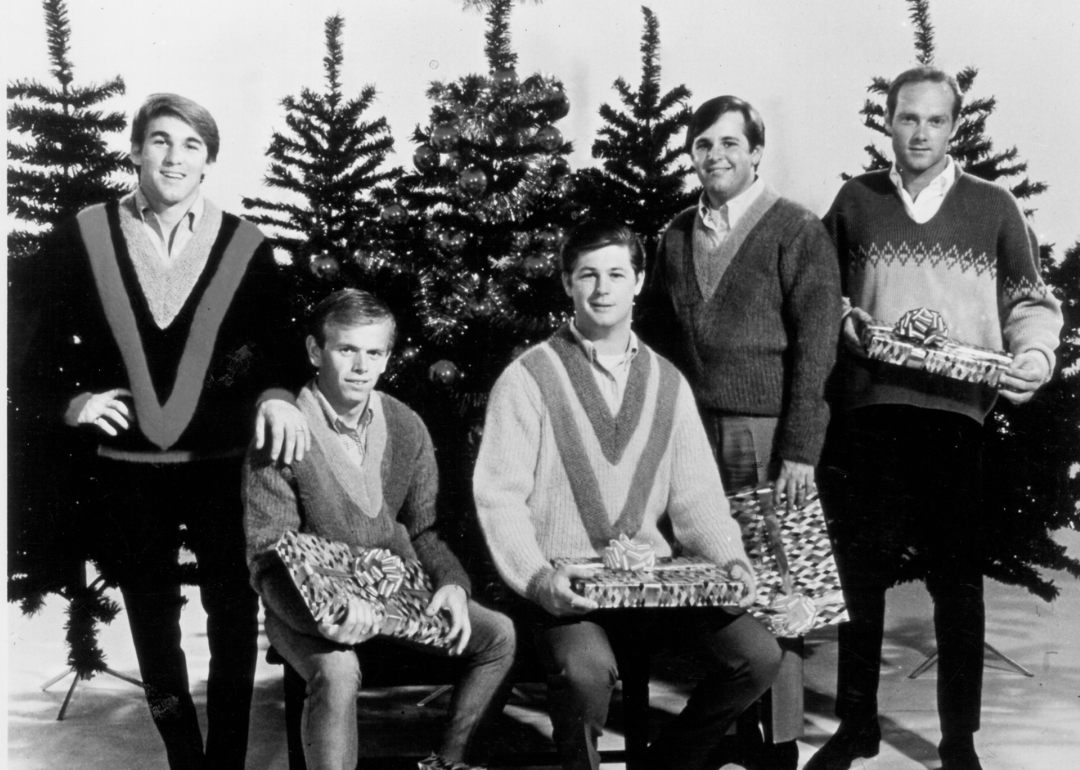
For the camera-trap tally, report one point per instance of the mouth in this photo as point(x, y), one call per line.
point(173, 175)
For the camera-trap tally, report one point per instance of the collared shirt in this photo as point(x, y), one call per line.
point(173, 243)
point(353, 440)
point(928, 202)
point(611, 372)
point(723, 220)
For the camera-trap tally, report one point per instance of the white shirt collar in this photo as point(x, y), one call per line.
point(191, 216)
point(727, 216)
point(590, 349)
point(938, 186)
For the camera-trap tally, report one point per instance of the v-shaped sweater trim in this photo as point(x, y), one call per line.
point(163, 424)
point(731, 245)
point(583, 482)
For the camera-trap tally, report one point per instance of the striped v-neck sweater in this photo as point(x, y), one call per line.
point(559, 475)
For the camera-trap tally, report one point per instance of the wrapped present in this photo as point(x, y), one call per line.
point(920, 340)
point(798, 588)
point(327, 573)
point(669, 582)
point(625, 554)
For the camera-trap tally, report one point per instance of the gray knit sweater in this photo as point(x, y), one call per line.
point(388, 503)
point(763, 343)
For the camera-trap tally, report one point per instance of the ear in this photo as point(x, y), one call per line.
point(313, 350)
point(755, 155)
point(639, 284)
point(135, 154)
point(567, 283)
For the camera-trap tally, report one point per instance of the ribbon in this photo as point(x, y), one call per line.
point(626, 555)
point(923, 326)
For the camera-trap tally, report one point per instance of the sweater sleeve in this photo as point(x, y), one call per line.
point(810, 282)
point(419, 516)
point(272, 508)
point(504, 479)
point(700, 515)
point(1030, 314)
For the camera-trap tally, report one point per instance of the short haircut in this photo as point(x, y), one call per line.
point(710, 112)
point(181, 108)
point(595, 234)
point(922, 74)
point(348, 308)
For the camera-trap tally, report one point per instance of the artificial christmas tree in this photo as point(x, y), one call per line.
point(330, 163)
point(642, 179)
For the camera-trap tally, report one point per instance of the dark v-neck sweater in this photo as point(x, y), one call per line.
point(764, 342)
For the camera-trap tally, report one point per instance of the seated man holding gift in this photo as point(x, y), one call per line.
point(904, 451)
point(369, 480)
point(591, 436)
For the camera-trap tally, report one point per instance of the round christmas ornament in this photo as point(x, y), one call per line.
point(394, 214)
point(473, 181)
point(445, 137)
point(443, 372)
point(481, 307)
point(507, 78)
point(454, 161)
point(549, 138)
point(534, 265)
point(559, 106)
point(425, 158)
point(325, 266)
point(408, 353)
point(547, 239)
point(560, 167)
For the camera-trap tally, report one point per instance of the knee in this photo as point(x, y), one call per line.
point(590, 677)
point(335, 681)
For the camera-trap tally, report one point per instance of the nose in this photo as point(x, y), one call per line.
point(360, 362)
point(603, 285)
point(172, 155)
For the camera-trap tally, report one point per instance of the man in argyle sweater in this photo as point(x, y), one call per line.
point(905, 452)
point(588, 436)
point(161, 341)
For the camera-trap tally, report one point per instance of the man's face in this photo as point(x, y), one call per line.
point(922, 126)
point(172, 161)
point(603, 285)
point(350, 363)
point(723, 160)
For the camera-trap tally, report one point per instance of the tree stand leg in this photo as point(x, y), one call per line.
point(75, 681)
point(931, 659)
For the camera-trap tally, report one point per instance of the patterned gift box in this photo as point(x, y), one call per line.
point(327, 573)
point(798, 588)
point(919, 340)
point(671, 582)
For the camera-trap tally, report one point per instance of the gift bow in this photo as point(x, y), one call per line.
point(924, 326)
point(625, 554)
point(376, 570)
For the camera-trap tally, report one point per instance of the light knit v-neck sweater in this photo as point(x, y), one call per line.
point(974, 261)
point(389, 502)
point(559, 476)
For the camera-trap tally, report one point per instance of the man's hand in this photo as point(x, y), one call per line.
point(105, 411)
point(849, 332)
point(742, 575)
point(358, 625)
point(556, 596)
point(455, 600)
point(287, 427)
point(796, 482)
point(1027, 374)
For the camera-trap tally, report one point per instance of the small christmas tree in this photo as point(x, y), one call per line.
point(479, 223)
point(59, 164)
point(642, 180)
point(64, 164)
point(1028, 449)
point(331, 160)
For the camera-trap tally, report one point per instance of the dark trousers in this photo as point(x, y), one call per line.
point(581, 658)
point(141, 508)
point(902, 497)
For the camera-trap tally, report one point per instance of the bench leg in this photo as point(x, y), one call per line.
point(635, 692)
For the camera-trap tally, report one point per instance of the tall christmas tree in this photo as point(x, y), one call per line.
point(1030, 449)
point(58, 163)
point(479, 223)
point(330, 163)
point(642, 179)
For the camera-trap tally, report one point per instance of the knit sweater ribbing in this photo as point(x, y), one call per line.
point(974, 262)
point(764, 343)
point(389, 503)
point(525, 497)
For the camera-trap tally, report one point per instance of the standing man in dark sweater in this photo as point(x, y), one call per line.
point(161, 339)
point(744, 298)
point(907, 445)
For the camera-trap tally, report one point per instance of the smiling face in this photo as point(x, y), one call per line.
point(172, 161)
point(921, 127)
point(723, 158)
point(350, 364)
point(603, 285)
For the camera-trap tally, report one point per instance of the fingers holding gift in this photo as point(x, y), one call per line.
point(360, 623)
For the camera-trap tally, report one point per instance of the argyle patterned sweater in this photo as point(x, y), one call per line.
point(388, 502)
point(975, 262)
point(559, 476)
